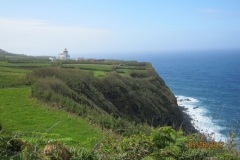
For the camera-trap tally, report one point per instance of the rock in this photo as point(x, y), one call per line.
point(183, 108)
point(181, 100)
point(195, 107)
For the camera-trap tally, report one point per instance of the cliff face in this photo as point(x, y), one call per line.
point(139, 96)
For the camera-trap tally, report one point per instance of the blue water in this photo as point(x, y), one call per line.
point(211, 79)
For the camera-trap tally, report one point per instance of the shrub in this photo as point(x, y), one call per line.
point(139, 74)
point(57, 150)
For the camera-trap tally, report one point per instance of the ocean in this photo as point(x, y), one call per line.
point(211, 81)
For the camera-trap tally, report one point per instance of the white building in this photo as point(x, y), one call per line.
point(63, 55)
point(52, 58)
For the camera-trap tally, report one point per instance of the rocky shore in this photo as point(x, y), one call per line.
point(187, 119)
point(187, 125)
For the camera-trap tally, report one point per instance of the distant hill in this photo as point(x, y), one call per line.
point(5, 53)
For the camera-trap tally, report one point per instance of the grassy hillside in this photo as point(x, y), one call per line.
point(139, 96)
point(19, 112)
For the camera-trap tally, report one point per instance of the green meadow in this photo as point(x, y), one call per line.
point(101, 67)
point(19, 112)
point(99, 73)
point(24, 65)
point(12, 76)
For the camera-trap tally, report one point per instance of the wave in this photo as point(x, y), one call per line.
point(201, 118)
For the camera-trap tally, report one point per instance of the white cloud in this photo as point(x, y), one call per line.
point(34, 37)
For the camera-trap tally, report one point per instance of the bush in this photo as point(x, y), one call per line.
point(56, 150)
point(139, 74)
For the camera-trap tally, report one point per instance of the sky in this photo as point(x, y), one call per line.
point(107, 27)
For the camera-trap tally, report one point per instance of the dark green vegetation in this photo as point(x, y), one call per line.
point(140, 96)
point(92, 110)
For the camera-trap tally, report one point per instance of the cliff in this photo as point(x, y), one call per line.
point(140, 95)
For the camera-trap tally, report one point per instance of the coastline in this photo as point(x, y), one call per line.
point(196, 120)
point(186, 123)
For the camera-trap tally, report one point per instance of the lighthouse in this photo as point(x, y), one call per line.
point(64, 55)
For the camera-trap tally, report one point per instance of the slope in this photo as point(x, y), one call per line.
point(19, 112)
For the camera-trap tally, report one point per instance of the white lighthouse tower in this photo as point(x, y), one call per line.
point(63, 55)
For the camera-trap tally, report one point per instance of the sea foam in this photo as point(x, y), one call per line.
point(200, 118)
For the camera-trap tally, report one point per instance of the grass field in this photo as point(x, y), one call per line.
point(15, 56)
point(99, 73)
point(101, 67)
point(9, 77)
point(23, 65)
point(12, 76)
point(20, 112)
